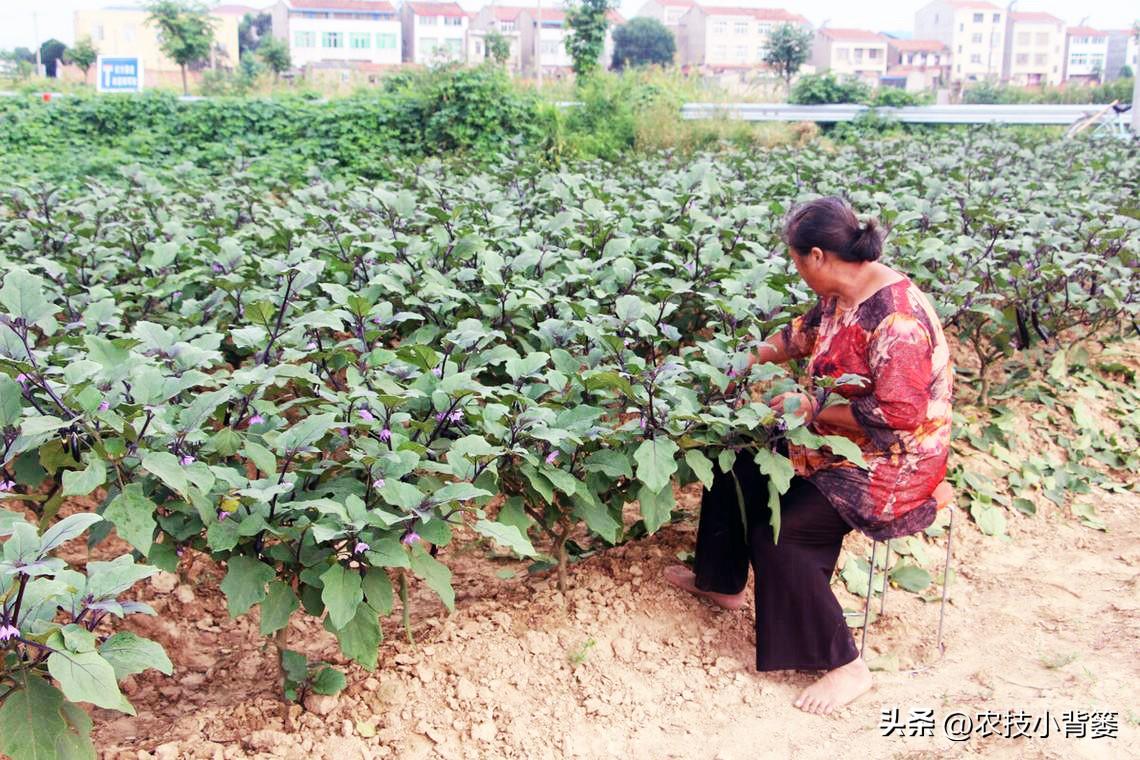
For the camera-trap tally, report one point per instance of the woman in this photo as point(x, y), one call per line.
point(870, 321)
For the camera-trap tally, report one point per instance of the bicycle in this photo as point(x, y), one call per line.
point(1107, 122)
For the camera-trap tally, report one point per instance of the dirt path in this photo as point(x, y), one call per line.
point(1044, 621)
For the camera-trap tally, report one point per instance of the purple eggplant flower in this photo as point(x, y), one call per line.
point(311, 345)
point(378, 320)
point(551, 457)
point(455, 416)
point(343, 432)
point(186, 460)
point(176, 294)
point(256, 419)
point(223, 514)
point(378, 483)
point(360, 548)
point(410, 537)
point(182, 549)
point(440, 416)
point(644, 422)
point(731, 372)
point(385, 435)
point(690, 267)
point(6, 485)
point(217, 268)
point(104, 406)
point(437, 371)
point(22, 379)
point(9, 632)
point(366, 415)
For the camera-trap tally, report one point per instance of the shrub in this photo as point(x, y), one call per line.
point(820, 89)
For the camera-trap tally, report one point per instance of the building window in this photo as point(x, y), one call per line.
point(976, 58)
point(1042, 39)
point(858, 55)
point(740, 27)
point(741, 53)
point(959, 50)
point(506, 26)
point(385, 41)
point(453, 21)
point(1022, 38)
point(764, 28)
point(976, 38)
point(549, 48)
point(454, 45)
point(761, 51)
point(961, 27)
point(428, 20)
point(997, 18)
point(979, 18)
point(478, 48)
point(427, 44)
point(1040, 59)
point(97, 33)
point(1096, 61)
point(720, 27)
point(304, 39)
point(1022, 58)
point(359, 40)
point(842, 54)
point(1079, 59)
point(332, 40)
point(873, 54)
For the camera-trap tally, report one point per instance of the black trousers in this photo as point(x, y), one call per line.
point(799, 622)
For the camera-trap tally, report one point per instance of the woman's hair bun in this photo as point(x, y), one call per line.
point(867, 244)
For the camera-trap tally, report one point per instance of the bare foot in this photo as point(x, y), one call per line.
point(684, 578)
point(836, 688)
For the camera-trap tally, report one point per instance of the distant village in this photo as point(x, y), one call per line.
point(953, 42)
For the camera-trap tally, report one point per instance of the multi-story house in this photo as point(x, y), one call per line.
point(917, 65)
point(974, 30)
point(1086, 54)
point(434, 32)
point(726, 38)
point(1122, 47)
point(124, 31)
point(544, 41)
point(501, 20)
point(1034, 49)
point(850, 52)
point(354, 32)
point(669, 13)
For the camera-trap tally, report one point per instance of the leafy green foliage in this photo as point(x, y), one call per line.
point(789, 46)
point(587, 21)
point(274, 53)
point(987, 92)
point(820, 89)
point(643, 41)
point(185, 31)
point(49, 615)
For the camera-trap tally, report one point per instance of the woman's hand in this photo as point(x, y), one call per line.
point(799, 404)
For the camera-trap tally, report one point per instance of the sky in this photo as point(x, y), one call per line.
point(22, 20)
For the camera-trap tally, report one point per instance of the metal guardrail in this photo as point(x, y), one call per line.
point(945, 114)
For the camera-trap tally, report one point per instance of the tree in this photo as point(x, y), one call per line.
point(587, 37)
point(642, 42)
point(185, 31)
point(83, 54)
point(497, 47)
point(275, 53)
point(252, 30)
point(50, 54)
point(1126, 71)
point(788, 48)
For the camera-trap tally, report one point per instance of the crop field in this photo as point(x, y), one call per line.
point(300, 459)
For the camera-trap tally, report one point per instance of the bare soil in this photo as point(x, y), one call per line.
point(1044, 621)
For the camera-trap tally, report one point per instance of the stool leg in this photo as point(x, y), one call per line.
point(946, 576)
point(886, 567)
point(870, 589)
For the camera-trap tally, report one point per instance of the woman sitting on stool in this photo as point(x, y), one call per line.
point(870, 321)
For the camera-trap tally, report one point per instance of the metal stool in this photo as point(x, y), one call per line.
point(945, 496)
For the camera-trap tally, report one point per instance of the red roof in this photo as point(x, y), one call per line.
point(919, 46)
point(677, 3)
point(1085, 31)
point(366, 6)
point(436, 9)
point(851, 35)
point(1034, 17)
point(615, 17)
point(235, 10)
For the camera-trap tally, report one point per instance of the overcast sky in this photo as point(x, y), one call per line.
point(20, 19)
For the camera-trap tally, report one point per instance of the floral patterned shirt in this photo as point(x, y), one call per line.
point(894, 340)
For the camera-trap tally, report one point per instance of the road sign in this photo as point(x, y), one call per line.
point(119, 74)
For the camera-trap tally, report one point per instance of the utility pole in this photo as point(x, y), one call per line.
point(538, 48)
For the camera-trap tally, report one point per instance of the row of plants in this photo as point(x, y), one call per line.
point(316, 382)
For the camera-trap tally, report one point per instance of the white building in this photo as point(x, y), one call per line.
point(668, 12)
point(1086, 54)
point(343, 31)
point(434, 32)
point(498, 19)
point(1034, 49)
point(850, 52)
point(721, 39)
point(974, 31)
point(1121, 52)
point(917, 65)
